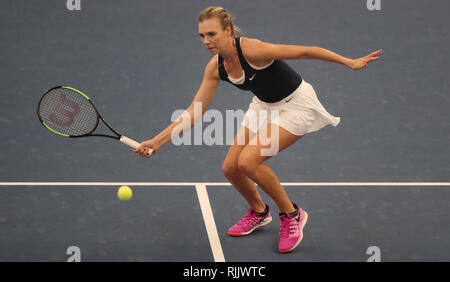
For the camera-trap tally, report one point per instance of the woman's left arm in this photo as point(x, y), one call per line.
point(312, 52)
point(259, 50)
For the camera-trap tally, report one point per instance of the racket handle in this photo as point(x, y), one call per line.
point(130, 142)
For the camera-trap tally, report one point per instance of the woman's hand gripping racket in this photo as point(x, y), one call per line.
point(68, 112)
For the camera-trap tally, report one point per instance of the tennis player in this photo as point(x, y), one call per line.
point(251, 64)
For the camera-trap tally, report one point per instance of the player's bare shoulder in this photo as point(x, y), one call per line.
point(250, 44)
point(254, 50)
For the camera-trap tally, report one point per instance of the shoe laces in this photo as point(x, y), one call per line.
point(249, 219)
point(287, 226)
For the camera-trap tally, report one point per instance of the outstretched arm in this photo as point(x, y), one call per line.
point(187, 120)
point(262, 51)
point(312, 52)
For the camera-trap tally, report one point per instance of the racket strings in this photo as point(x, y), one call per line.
point(68, 112)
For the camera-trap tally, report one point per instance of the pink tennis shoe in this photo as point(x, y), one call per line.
point(251, 221)
point(291, 229)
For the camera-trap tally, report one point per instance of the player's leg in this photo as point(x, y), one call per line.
point(251, 162)
point(252, 157)
point(259, 213)
point(244, 185)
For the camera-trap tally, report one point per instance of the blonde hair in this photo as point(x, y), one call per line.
point(225, 19)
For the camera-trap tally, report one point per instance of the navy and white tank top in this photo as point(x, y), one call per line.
point(270, 84)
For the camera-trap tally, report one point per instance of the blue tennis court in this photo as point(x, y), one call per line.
point(376, 187)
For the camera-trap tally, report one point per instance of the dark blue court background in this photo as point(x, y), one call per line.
point(141, 60)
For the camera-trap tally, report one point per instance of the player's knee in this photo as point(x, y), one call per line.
point(229, 169)
point(246, 165)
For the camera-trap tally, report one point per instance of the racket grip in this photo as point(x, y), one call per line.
point(130, 142)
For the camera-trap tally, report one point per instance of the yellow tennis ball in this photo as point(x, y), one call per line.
point(124, 193)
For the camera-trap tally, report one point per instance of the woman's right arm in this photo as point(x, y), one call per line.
point(186, 121)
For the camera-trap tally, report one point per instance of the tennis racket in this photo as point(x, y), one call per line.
point(68, 112)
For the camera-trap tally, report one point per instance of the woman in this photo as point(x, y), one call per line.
point(291, 110)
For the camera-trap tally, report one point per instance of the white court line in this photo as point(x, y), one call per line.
point(210, 224)
point(315, 184)
point(205, 205)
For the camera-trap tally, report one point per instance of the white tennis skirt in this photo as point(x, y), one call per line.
point(299, 113)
